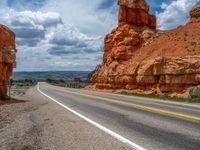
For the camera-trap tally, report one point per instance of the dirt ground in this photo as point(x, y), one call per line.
point(36, 123)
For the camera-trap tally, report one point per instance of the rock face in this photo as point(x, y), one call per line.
point(195, 12)
point(136, 12)
point(7, 57)
point(139, 59)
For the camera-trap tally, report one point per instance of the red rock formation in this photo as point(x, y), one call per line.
point(136, 12)
point(136, 59)
point(195, 13)
point(7, 57)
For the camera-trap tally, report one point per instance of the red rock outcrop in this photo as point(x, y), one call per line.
point(136, 12)
point(139, 59)
point(195, 13)
point(7, 58)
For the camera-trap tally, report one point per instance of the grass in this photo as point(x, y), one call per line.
point(164, 97)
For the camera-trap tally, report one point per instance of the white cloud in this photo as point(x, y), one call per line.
point(53, 35)
point(85, 15)
point(30, 18)
point(174, 13)
point(43, 38)
point(30, 27)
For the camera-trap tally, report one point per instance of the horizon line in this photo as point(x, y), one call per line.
point(54, 71)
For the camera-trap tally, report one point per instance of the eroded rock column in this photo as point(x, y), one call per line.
point(136, 12)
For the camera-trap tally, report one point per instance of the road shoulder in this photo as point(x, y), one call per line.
point(39, 123)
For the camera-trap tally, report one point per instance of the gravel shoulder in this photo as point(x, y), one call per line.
point(33, 122)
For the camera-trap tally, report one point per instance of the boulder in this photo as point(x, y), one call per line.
point(195, 92)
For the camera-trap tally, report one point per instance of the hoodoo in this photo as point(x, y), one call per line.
point(139, 59)
point(136, 12)
point(7, 58)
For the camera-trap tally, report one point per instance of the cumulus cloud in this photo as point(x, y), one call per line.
point(31, 18)
point(33, 27)
point(174, 14)
point(69, 40)
point(43, 37)
point(30, 27)
point(91, 17)
point(62, 35)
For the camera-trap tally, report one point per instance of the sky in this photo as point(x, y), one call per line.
point(55, 35)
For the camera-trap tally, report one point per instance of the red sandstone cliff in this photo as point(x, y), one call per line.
point(7, 58)
point(138, 59)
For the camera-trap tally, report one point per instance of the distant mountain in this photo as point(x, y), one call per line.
point(57, 75)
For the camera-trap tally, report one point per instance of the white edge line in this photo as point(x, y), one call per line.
point(106, 130)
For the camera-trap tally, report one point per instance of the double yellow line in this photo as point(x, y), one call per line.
point(138, 106)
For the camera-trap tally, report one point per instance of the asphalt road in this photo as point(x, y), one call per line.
point(151, 124)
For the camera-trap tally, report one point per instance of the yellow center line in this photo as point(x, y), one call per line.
point(138, 106)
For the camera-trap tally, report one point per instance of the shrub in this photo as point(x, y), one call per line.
point(195, 92)
point(193, 43)
point(185, 33)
